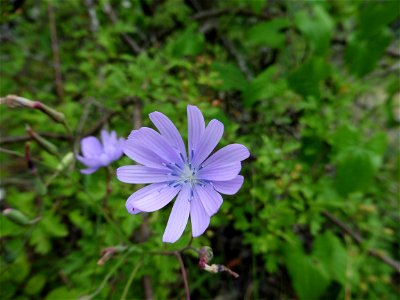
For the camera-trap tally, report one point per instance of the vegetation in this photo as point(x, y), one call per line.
point(310, 87)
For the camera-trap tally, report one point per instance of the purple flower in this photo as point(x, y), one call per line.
point(195, 177)
point(96, 154)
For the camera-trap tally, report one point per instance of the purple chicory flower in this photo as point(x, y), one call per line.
point(98, 154)
point(196, 177)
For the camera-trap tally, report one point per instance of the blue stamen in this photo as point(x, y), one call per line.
point(181, 155)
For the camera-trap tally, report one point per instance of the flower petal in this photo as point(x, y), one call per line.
point(169, 131)
point(152, 197)
point(142, 155)
point(152, 140)
point(210, 198)
point(133, 210)
point(198, 216)
point(227, 155)
point(88, 171)
point(196, 127)
point(229, 187)
point(89, 162)
point(179, 216)
point(209, 140)
point(142, 174)
point(105, 137)
point(220, 172)
point(91, 147)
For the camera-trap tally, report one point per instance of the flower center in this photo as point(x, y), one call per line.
point(188, 174)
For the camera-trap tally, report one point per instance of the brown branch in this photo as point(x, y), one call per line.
point(230, 48)
point(56, 53)
point(184, 274)
point(144, 228)
point(114, 19)
point(94, 21)
point(25, 138)
point(137, 114)
point(147, 288)
point(358, 238)
point(213, 13)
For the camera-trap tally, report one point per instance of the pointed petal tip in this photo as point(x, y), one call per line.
point(193, 108)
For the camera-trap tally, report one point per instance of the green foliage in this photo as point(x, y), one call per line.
point(306, 79)
point(310, 87)
point(268, 33)
point(317, 28)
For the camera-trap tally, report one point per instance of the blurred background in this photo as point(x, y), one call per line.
point(310, 87)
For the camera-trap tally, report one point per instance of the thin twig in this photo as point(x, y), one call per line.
point(184, 274)
point(358, 238)
point(114, 19)
point(230, 48)
point(94, 21)
point(130, 279)
point(213, 13)
point(56, 53)
point(25, 138)
point(108, 276)
point(21, 155)
point(147, 288)
point(144, 228)
point(137, 114)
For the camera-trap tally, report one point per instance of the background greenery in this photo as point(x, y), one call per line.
point(310, 87)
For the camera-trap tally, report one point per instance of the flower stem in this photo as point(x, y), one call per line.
point(184, 274)
point(130, 279)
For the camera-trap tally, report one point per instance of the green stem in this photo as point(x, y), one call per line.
point(130, 279)
point(108, 276)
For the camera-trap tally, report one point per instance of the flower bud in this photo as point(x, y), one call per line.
point(108, 252)
point(206, 254)
point(18, 217)
point(65, 162)
point(16, 101)
point(42, 142)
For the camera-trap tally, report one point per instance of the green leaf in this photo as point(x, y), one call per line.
point(310, 280)
point(354, 172)
point(40, 241)
point(344, 137)
point(376, 15)
point(188, 43)
point(332, 254)
point(306, 80)
point(264, 86)
point(35, 284)
point(268, 33)
point(232, 78)
point(9, 228)
point(256, 6)
point(63, 293)
point(17, 271)
point(377, 146)
point(52, 225)
point(80, 221)
point(317, 28)
point(362, 54)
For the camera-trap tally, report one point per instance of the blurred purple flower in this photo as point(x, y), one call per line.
point(196, 178)
point(96, 154)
